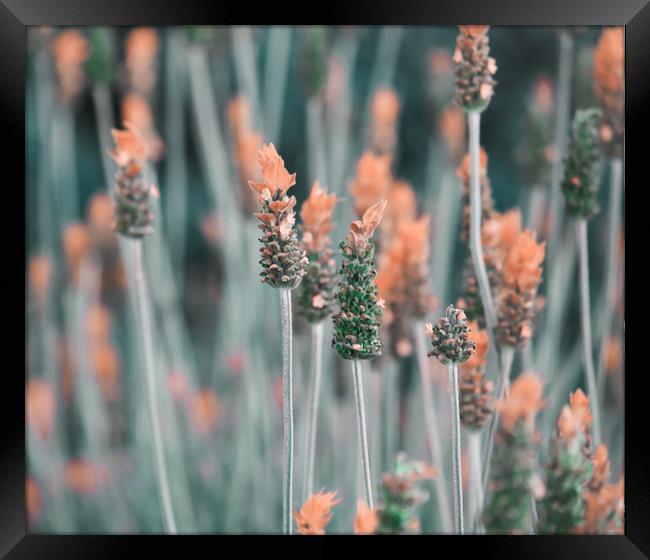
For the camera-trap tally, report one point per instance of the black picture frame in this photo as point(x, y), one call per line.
point(16, 15)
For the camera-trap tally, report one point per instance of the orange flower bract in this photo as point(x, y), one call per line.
point(365, 520)
point(609, 61)
point(524, 402)
point(129, 146)
point(275, 176)
point(316, 215)
point(522, 266)
point(315, 513)
point(372, 181)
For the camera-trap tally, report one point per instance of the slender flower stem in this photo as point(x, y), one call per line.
point(585, 322)
point(361, 423)
point(375, 417)
point(144, 320)
point(564, 79)
point(613, 226)
point(507, 356)
point(474, 447)
point(287, 411)
point(476, 248)
point(317, 159)
point(456, 447)
point(391, 397)
point(503, 382)
point(317, 366)
point(431, 427)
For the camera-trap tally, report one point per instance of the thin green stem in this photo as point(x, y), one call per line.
point(312, 429)
point(456, 448)
point(376, 378)
point(611, 272)
point(563, 104)
point(476, 248)
point(361, 424)
point(317, 159)
point(503, 382)
point(431, 427)
point(287, 411)
point(144, 319)
point(474, 447)
point(585, 322)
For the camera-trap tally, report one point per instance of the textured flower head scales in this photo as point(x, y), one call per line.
point(523, 403)
point(316, 214)
point(315, 513)
point(275, 177)
point(450, 337)
point(480, 337)
point(523, 265)
point(474, 68)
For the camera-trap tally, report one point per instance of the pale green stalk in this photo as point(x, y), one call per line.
point(275, 77)
point(501, 390)
point(585, 323)
point(611, 270)
point(375, 416)
point(391, 405)
point(447, 211)
point(312, 430)
point(244, 55)
point(361, 425)
point(563, 108)
point(456, 448)
point(432, 429)
point(63, 162)
point(175, 161)
point(476, 247)
point(315, 141)
point(476, 505)
point(338, 119)
point(287, 411)
point(144, 320)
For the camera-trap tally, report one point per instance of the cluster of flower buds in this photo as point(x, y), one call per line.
point(450, 337)
point(582, 165)
point(316, 294)
point(609, 85)
point(134, 216)
point(474, 68)
point(283, 258)
point(562, 509)
point(356, 325)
